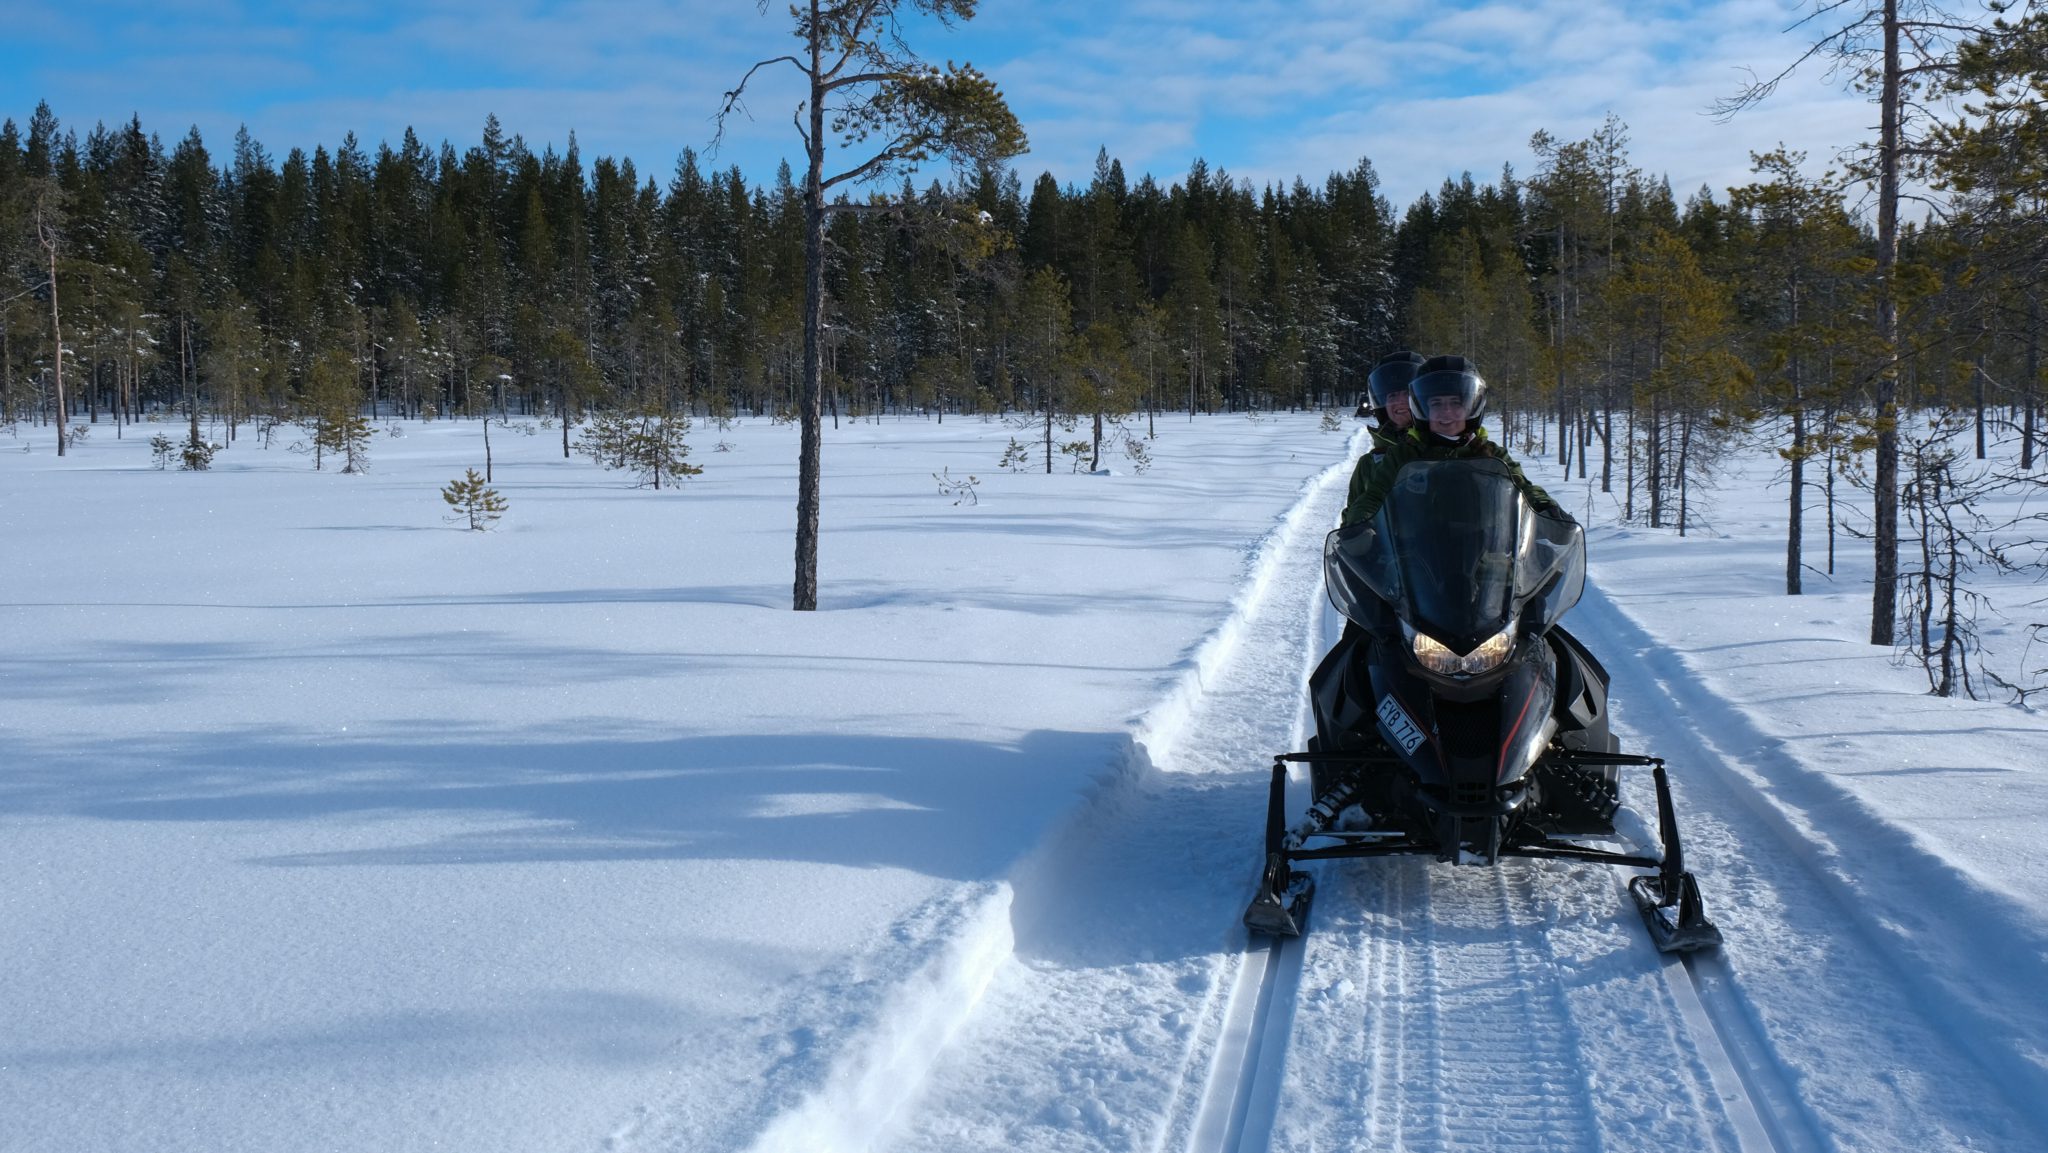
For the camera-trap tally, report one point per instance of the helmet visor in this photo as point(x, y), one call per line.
point(1424, 389)
point(1388, 380)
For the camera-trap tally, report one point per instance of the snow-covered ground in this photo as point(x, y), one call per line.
point(327, 825)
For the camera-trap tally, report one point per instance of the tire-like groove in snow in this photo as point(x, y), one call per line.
point(1710, 770)
point(1240, 1108)
point(1762, 1104)
point(1429, 1007)
point(1120, 1021)
point(1237, 1110)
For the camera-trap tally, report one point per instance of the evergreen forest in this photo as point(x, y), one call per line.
point(1626, 328)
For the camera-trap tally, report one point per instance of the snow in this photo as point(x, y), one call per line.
point(325, 824)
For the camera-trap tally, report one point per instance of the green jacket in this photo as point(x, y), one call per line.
point(1374, 476)
point(1384, 436)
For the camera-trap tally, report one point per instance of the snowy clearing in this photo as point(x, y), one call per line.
point(327, 825)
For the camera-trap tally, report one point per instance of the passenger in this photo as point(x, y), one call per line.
point(1447, 393)
point(1387, 398)
point(1388, 387)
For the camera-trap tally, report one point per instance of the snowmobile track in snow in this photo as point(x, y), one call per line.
point(1427, 1007)
point(1727, 763)
point(1237, 1109)
point(1759, 1102)
point(1762, 1103)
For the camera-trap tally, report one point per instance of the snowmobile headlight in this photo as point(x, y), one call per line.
point(1438, 658)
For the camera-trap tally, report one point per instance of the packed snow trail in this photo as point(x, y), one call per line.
point(1103, 1031)
point(1513, 1008)
point(1429, 1008)
point(1819, 961)
point(1739, 1051)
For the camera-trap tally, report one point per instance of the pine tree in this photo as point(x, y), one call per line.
point(1899, 51)
point(854, 56)
point(654, 449)
point(331, 407)
point(1801, 287)
point(1044, 340)
point(474, 502)
point(1667, 307)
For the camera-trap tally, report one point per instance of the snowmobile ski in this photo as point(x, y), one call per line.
point(1675, 920)
point(1281, 907)
point(1670, 901)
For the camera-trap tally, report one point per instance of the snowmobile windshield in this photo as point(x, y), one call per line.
point(1457, 553)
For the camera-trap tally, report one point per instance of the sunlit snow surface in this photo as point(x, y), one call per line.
point(327, 825)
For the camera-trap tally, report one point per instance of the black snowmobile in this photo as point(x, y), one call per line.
point(1456, 719)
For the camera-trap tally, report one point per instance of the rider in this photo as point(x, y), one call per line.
point(1448, 393)
point(1387, 393)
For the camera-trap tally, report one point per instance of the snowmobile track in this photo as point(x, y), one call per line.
point(1712, 759)
point(1427, 1008)
point(1244, 1081)
point(1762, 1104)
point(1758, 1101)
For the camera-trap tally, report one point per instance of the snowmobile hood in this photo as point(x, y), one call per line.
point(1457, 553)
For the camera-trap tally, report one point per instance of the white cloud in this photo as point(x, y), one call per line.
point(1426, 91)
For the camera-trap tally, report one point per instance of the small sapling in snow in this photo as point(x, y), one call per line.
point(474, 501)
point(962, 491)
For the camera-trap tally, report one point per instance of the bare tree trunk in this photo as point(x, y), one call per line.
point(1831, 495)
point(1607, 443)
point(47, 233)
point(1628, 479)
point(1977, 399)
point(1653, 464)
point(371, 356)
point(184, 370)
point(1952, 654)
point(1923, 504)
point(1885, 574)
point(1684, 451)
point(1558, 345)
point(91, 387)
point(1795, 515)
point(2028, 385)
point(1582, 421)
point(811, 402)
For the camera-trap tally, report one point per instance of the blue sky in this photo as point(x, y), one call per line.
point(1262, 89)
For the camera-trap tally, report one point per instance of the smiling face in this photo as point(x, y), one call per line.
point(1447, 416)
point(1397, 411)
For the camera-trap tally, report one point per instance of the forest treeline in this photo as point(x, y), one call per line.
point(437, 281)
point(1638, 326)
point(1630, 332)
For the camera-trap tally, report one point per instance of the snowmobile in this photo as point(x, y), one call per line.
point(1456, 719)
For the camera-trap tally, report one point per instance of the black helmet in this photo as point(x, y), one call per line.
point(1391, 375)
point(1447, 376)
